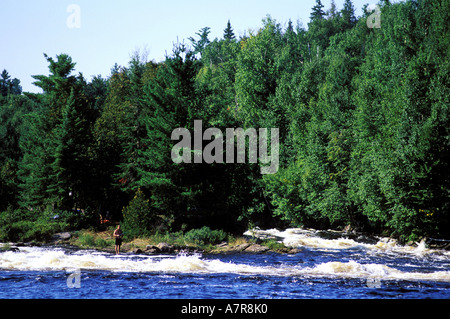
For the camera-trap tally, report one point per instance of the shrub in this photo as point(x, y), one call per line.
point(102, 243)
point(15, 225)
point(87, 240)
point(205, 236)
point(273, 245)
point(139, 219)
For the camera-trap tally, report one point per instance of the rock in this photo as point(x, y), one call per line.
point(330, 234)
point(255, 248)
point(366, 240)
point(61, 236)
point(434, 243)
point(165, 248)
point(137, 251)
point(9, 247)
point(227, 249)
point(294, 251)
point(259, 236)
point(240, 248)
point(151, 249)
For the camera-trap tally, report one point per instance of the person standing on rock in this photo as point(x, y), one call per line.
point(118, 237)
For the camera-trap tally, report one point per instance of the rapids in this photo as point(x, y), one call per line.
point(323, 268)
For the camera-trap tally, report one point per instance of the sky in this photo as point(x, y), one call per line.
point(99, 33)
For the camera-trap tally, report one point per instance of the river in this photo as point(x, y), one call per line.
point(321, 269)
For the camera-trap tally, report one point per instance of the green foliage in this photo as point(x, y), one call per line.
point(363, 116)
point(228, 33)
point(139, 218)
point(18, 226)
point(8, 86)
point(274, 245)
point(200, 44)
point(87, 240)
point(205, 236)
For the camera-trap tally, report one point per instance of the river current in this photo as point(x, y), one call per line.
point(320, 269)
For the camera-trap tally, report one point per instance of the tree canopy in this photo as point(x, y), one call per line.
point(362, 113)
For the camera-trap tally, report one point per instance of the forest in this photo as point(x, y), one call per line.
point(362, 113)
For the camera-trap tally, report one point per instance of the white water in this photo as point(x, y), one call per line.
point(297, 237)
point(45, 259)
point(38, 259)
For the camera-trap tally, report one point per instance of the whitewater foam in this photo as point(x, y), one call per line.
point(41, 259)
point(310, 238)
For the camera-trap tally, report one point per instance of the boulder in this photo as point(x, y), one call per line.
point(61, 236)
point(434, 243)
point(255, 248)
point(165, 248)
point(9, 247)
point(365, 239)
point(240, 248)
point(151, 249)
point(294, 251)
point(227, 249)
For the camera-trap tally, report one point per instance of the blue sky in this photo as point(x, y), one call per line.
point(110, 31)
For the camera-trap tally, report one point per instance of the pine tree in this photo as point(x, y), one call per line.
point(139, 74)
point(317, 11)
point(200, 44)
point(228, 33)
point(56, 140)
point(109, 132)
point(8, 85)
point(4, 83)
point(171, 103)
point(71, 168)
point(348, 15)
point(332, 12)
point(35, 166)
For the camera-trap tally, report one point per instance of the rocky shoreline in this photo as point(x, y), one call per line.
point(250, 244)
point(63, 240)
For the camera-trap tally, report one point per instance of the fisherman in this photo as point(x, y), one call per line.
point(118, 234)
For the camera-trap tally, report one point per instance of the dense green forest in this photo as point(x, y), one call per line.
point(363, 117)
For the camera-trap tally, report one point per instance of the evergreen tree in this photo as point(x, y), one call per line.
point(52, 145)
point(228, 33)
point(4, 83)
point(35, 167)
point(134, 131)
point(200, 44)
point(70, 178)
point(171, 103)
point(317, 11)
point(109, 132)
point(332, 12)
point(12, 114)
point(348, 15)
point(8, 85)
